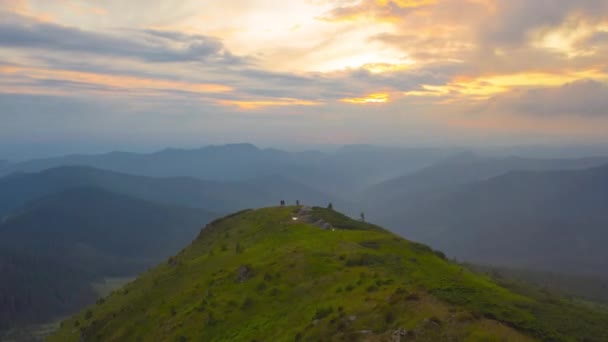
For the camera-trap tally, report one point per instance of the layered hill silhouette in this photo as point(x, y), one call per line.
point(274, 275)
point(52, 249)
point(547, 220)
point(215, 196)
point(346, 170)
point(410, 191)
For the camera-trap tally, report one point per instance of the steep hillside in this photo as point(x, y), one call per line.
point(548, 220)
point(51, 250)
point(275, 275)
point(222, 197)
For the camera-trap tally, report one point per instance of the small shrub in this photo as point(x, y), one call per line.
point(435, 320)
point(247, 303)
point(372, 288)
point(323, 312)
point(364, 260)
point(370, 244)
point(440, 254)
point(261, 287)
point(211, 320)
point(419, 247)
point(463, 317)
point(413, 297)
point(389, 317)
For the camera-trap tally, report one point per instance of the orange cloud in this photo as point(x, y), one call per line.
point(256, 104)
point(371, 98)
point(379, 68)
point(406, 3)
point(484, 87)
point(23, 7)
point(115, 82)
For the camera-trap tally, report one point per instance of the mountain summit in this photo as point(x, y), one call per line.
point(312, 274)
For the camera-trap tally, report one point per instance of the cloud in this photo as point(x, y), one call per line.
point(515, 19)
point(198, 68)
point(585, 98)
point(146, 45)
point(388, 10)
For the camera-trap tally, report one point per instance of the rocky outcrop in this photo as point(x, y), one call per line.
point(243, 273)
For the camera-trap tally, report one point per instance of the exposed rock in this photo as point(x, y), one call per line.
point(326, 225)
point(432, 323)
point(304, 211)
point(172, 261)
point(244, 272)
point(399, 334)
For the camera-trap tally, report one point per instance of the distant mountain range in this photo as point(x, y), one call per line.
point(412, 189)
point(550, 220)
point(51, 249)
point(215, 196)
point(345, 171)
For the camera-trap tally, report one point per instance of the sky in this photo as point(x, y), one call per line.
point(114, 74)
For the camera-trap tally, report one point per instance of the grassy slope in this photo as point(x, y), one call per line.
point(359, 283)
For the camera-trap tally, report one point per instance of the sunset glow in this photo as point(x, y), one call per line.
point(426, 62)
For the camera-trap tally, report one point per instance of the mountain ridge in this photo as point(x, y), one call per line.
point(265, 275)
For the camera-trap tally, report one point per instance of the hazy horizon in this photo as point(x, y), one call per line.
point(19, 153)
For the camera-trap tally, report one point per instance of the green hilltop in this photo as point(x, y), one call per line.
point(298, 274)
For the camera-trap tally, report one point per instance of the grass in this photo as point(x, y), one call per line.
point(259, 276)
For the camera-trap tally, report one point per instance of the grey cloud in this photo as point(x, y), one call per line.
point(599, 38)
point(516, 18)
point(147, 45)
point(370, 8)
point(586, 98)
